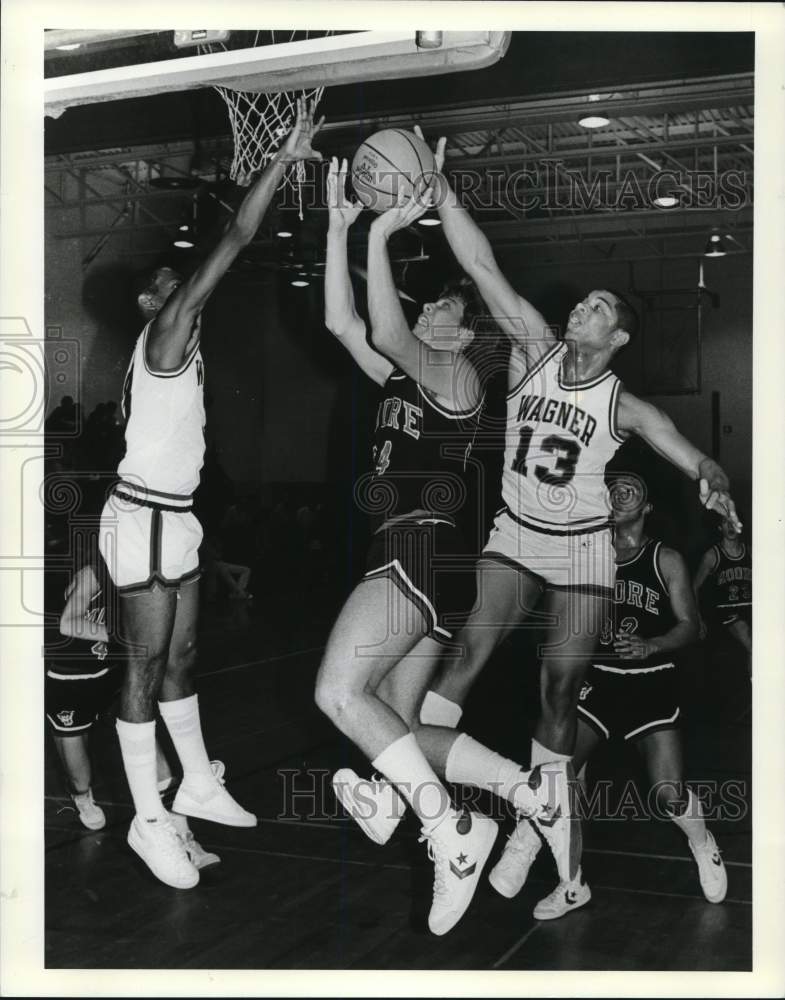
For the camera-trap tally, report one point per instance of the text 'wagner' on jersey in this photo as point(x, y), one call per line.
point(559, 439)
point(641, 606)
point(164, 413)
point(420, 453)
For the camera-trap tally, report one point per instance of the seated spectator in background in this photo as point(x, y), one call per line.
point(232, 578)
point(63, 419)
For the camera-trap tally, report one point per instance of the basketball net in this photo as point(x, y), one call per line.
point(260, 122)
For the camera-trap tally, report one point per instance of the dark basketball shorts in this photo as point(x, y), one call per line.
point(428, 561)
point(629, 703)
point(75, 700)
point(729, 615)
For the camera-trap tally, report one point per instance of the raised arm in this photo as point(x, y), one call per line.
point(708, 564)
point(658, 430)
point(447, 373)
point(173, 327)
point(518, 318)
point(674, 573)
point(340, 315)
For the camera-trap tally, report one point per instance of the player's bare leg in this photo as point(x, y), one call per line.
point(376, 629)
point(505, 595)
point(740, 631)
point(579, 618)
point(403, 688)
point(147, 622)
point(201, 792)
point(73, 754)
point(662, 752)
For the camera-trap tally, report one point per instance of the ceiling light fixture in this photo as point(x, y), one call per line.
point(714, 245)
point(595, 118)
point(185, 239)
point(429, 220)
point(299, 283)
point(666, 201)
point(594, 121)
point(284, 234)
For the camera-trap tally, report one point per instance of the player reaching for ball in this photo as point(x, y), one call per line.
point(416, 582)
point(150, 538)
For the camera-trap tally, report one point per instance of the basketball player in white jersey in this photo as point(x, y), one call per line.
point(567, 414)
point(150, 538)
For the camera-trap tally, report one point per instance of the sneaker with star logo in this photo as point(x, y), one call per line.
point(459, 846)
point(711, 870)
point(566, 897)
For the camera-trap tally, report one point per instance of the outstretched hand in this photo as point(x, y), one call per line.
point(438, 152)
point(342, 212)
point(719, 501)
point(298, 142)
point(408, 208)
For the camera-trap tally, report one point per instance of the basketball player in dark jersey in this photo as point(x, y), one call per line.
point(631, 692)
point(724, 576)
point(84, 665)
point(150, 537)
point(416, 586)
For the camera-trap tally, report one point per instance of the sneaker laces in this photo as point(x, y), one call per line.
point(170, 840)
point(555, 896)
point(520, 841)
point(437, 854)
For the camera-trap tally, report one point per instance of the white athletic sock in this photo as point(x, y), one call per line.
point(137, 745)
point(691, 821)
point(542, 755)
point(470, 763)
point(182, 721)
point(404, 764)
point(437, 710)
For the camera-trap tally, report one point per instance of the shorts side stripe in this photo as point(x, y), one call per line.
point(651, 725)
point(633, 670)
point(76, 677)
point(594, 722)
point(67, 729)
point(417, 595)
point(155, 542)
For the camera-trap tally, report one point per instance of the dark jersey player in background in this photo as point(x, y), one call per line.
point(723, 586)
point(418, 585)
point(631, 691)
point(84, 667)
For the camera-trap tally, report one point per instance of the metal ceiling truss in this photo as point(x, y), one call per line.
point(532, 175)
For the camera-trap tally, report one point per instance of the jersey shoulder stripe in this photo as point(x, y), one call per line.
point(557, 348)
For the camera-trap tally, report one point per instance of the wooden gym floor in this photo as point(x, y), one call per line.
point(315, 893)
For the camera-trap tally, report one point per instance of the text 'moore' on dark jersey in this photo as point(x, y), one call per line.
point(421, 454)
point(730, 583)
point(641, 606)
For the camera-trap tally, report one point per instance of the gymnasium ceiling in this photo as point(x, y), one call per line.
point(125, 170)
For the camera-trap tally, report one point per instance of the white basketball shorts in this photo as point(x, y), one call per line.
point(149, 538)
point(582, 561)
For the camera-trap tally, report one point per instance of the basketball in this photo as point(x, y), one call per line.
point(387, 162)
